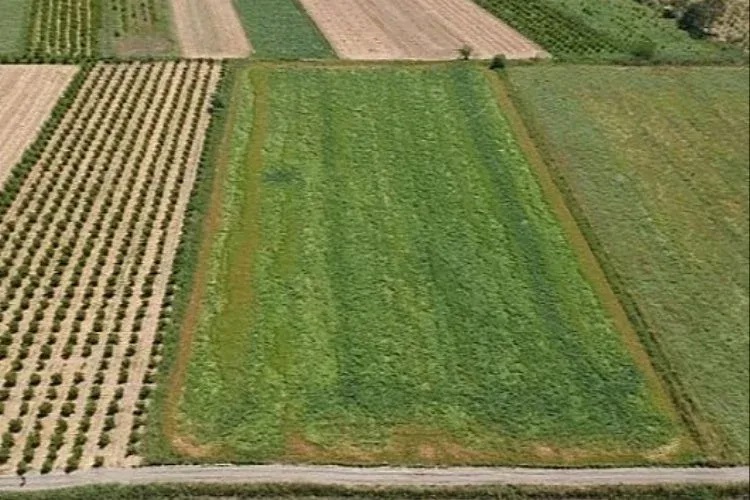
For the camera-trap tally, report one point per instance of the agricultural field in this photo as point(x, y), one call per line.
point(27, 95)
point(209, 29)
point(615, 29)
point(379, 279)
point(418, 29)
point(280, 29)
point(64, 28)
point(86, 250)
point(138, 27)
point(13, 26)
point(655, 160)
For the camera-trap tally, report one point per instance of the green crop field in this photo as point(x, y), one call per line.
point(608, 30)
point(387, 283)
point(656, 161)
point(280, 29)
point(138, 28)
point(13, 22)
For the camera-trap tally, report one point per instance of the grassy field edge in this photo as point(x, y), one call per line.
point(705, 436)
point(186, 271)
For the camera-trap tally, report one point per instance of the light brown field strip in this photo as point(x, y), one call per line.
point(209, 29)
point(416, 30)
point(27, 96)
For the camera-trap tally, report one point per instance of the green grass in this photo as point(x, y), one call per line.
point(281, 29)
point(388, 284)
point(656, 162)
point(13, 24)
point(133, 28)
point(594, 29)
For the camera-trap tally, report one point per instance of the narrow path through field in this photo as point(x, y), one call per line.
point(381, 476)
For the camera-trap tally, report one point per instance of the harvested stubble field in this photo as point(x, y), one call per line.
point(415, 29)
point(604, 30)
point(281, 29)
point(656, 162)
point(65, 28)
point(27, 95)
point(381, 280)
point(86, 250)
point(209, 29)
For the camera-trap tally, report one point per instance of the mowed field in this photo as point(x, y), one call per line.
point(138, 28)
point(27, 96)
point(656, 162)
point(86, 251)
point(381, 280)
point(417, 29)
point(209, 29)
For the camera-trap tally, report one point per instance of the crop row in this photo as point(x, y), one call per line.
point(553, 28)
point(133, 14)
point(85, 255)
point(64, 28)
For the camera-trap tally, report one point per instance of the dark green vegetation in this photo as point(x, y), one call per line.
point(616, 29)
point(138, 27)
point(387, 283)
point(13, 20)
point(655, 162)
point(293, 491)
point(281, 29)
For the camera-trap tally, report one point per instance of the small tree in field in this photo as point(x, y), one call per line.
point(465, 52)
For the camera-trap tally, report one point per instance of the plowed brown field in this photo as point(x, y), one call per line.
point(209, 29)
point(415, 29)
point(27, 95)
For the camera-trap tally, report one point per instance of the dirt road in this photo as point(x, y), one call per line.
point(381, 476)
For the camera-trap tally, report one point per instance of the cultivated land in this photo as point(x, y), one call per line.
point(85, 257)
point(65, 28)
point(210, 29)
point(609, 30)
point(339, 315)
point(138, 27)
point(27, 96)
point(417, 29)
point(656, 163)
point(13, 25)
point(280, 29)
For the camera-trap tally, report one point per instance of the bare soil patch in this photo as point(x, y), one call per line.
point(27, 95)
point(209, 29)
point(417, 29)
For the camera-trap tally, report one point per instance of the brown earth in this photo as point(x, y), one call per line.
point(416, 30)
point(27, 96)
point(209, 29)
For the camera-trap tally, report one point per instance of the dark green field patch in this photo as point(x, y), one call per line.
point(281, 29)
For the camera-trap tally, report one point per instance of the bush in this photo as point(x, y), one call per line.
point(498, 62)
point(645, 50)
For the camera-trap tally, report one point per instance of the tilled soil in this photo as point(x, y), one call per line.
point(209, 29)
point(416, 30)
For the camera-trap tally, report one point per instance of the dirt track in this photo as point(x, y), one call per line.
point(27, 95)
point(415, 29)
point(209, 29)
point(382, 476)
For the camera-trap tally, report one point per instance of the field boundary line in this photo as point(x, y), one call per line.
point(589, 263)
